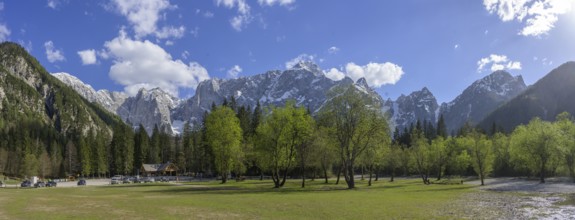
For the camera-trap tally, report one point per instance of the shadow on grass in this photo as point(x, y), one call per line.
point(462, 187)
point(263, 187)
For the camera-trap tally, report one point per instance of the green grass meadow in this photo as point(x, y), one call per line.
point(403, 199)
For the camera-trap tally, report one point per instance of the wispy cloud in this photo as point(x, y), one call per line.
point(497, 62)
point(538, 16)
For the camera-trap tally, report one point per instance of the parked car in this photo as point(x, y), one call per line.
point(39, 184)
point(149, 180)
point(2, 184)
point(137, 180)
point(117, 179)
point(26, 183)
point(126, 180)
point(51, 184)
point(164, 179)
point(82, 182)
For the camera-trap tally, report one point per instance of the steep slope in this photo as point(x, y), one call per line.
point(305, 83)
point(111, 101)
point(546, 98)
point(419, 105)
point(481, 98)
point(28, 92)
point(149, 108)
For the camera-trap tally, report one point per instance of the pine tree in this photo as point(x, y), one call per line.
point(441, 128)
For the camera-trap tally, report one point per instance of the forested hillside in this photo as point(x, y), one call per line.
point(545, 99)
point(46, 128)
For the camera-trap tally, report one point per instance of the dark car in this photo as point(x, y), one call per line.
point(39, 184)
point(164, 179)
point(149, 180)
point(126, 180)
point(51, 184)
point(26, 183)
point(81, 182)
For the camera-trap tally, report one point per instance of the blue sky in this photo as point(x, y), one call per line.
point(399, 46)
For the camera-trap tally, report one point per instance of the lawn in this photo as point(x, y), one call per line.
point(244, 200)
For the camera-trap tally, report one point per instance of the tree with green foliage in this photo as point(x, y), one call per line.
point(154, 147)
point(141, 143)
point(323, 151)
point(502, 157)
point(281, 133)
point(441, 127)
point(224, 136)
point(392, 159)
point(358, 125)
point(84, 153)
point(439, 155)
point(481, 152)
point(422, 157)
point(566, 127)
point(536, 145)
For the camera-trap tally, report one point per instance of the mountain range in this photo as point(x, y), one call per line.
point(306, 83)
point(498, 98)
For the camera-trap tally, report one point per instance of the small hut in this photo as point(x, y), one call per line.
point(168, 168)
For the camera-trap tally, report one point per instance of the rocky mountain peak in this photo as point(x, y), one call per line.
point(308, 66)
point(362, 82)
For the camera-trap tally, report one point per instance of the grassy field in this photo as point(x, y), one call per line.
point(244, 200)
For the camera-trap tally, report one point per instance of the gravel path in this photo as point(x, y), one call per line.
point(513, 198)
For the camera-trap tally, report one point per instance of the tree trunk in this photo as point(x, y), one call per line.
point(324, 172)
point(349, 176)
point(392, 176)
point(376, 174)
point(362, 173)
point(542, 174)
point(261, 173)
point(338, 174)
point(284, 178)
point(302, 178)
point(224, 178)
point(370, 174)
point(314, 173)
point(439, 173)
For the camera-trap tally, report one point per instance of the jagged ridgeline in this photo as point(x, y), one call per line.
point(41, 115)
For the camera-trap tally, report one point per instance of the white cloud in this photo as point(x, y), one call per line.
point(498, 62)
point(538, 16)
point(273, 2)
point(243, 18)
point(53, 3)
point(234, 72)
point(208, 14)
point(300, 58)
point(333, 50)
point(88, 56)
point(185, 55)
point(53, 54)
point(144, 16)
point(143, 64)
point(4, 32)
point(376, 74)
point(456, 47)
point(335, 74)
point(167, 32)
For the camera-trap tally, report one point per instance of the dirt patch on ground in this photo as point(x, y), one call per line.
point(514, 198)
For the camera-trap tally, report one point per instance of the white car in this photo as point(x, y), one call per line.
point(117, 179)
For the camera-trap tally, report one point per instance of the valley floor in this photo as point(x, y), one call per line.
point(504, 198)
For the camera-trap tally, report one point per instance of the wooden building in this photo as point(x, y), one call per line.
point(161, 169)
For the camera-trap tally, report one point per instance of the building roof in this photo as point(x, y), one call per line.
point(165, 167)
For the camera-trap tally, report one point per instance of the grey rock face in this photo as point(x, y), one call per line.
point(419, 105)
point(149, 108)
point(481, 98)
